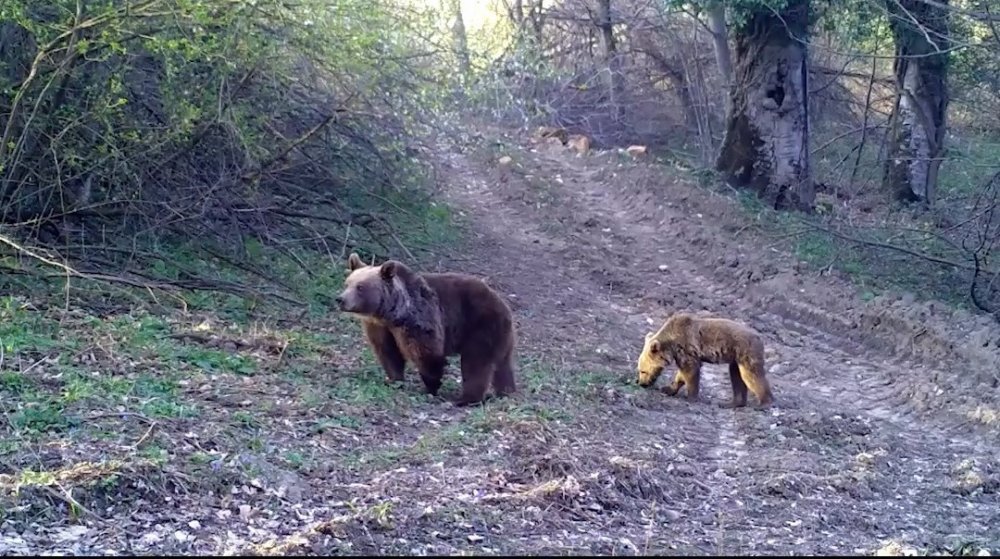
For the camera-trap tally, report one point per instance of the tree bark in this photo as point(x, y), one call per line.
point(720, 39)
point(535, 17)
point(460, 40)
point(609, 53)
point(766, 145)
point(918, 122)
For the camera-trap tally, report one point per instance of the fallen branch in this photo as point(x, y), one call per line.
point(149, 284)
point(877, 244)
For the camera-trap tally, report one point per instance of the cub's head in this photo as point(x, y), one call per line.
point(376, 291)
point(652, 360)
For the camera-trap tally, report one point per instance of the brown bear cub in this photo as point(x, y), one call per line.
point(424, 318)
point(689, 341)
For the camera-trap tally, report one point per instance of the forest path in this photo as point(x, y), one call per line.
point(866, 442)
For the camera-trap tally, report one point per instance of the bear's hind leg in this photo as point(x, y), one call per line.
point(752, 374)
point(477, 373)
point(739, 388)
point(386, 351)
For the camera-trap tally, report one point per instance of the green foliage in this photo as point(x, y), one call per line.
point(208, 124)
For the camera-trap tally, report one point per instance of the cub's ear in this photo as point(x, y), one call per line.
point(654, 347)
point(649, 335)
point(354, 262)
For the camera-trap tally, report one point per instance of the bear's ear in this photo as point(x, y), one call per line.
point(654, 347)
point(389, 270)
point(392, 269)
point(354, 262)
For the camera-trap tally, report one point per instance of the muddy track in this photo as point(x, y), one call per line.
point(855, 452)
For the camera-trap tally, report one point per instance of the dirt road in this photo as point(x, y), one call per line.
point(884, 431)
point(870, 440)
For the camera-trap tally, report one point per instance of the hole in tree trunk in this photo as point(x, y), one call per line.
point(778, 94)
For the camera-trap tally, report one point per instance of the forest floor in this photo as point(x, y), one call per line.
point(127, 432)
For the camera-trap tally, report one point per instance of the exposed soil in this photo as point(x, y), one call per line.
point(880, 402)
point(884, 429)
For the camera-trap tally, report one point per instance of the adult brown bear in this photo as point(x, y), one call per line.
point(424, 318)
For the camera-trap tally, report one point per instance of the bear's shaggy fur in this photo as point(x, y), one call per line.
point(424, 318)
point(689, 341)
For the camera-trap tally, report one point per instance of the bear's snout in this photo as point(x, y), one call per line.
point(340, 301)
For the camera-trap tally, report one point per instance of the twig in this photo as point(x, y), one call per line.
point(73, 503)
point(136, 415)
point(347, 236)
point(145, 435)
point(877, 244)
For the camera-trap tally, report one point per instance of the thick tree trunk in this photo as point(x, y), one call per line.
point(918, 123)
point(766, 146)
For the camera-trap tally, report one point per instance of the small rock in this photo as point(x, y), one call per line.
point(662, 267)
point(896, 549)
point(473, 538)
point(194, 524)
point(245, 512)
point(505, 160)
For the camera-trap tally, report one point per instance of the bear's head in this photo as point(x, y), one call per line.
point(375, 291)
point(652, 360)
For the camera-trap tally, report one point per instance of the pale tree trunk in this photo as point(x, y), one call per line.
point(460, 40)
point(918, 123)
point(720, 39)
point(766, 146)
point(609, 53)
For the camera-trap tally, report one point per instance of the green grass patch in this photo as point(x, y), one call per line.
point(969, 162)
point(46, 415)
point(25, 331)
point(160, 397)
point(871, 270)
